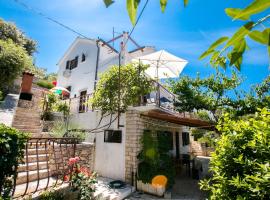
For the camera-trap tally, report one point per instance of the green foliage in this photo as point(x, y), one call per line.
point(258, 97)
point(13, 60)
point(133, 84)
point(51, 77)
point(209, 94)
point(154, 157)
point(45, 84)
point(132, 7)
point(1, 96)
point(12, 144)
point(63, 107)
point(85, 185)
point(231, 53)
point(82, 180)
point(59, 129)
point(240, 164)
point(48, 103)
point(10, 31)
point(51, 195)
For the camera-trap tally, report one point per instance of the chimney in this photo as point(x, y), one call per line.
point(26, 86)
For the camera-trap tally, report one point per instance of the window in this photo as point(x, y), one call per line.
point(71, 64)
point(83, 101)
point(83, 57)
point(165, 139)
point(185, 138)
point(113, 136)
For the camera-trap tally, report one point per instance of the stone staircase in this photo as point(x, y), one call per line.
point(34, 174)
point(27, 115)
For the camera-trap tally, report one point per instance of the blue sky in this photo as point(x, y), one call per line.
point(185, 32)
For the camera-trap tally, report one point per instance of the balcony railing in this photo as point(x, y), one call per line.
point(160, 97)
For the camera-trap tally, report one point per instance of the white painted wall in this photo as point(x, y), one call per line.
point(110, 157)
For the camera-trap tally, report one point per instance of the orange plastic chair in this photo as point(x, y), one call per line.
point(159, 181)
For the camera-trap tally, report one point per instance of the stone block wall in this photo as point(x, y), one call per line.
point(135, 125)
point(134, 131)
point(60, 154)
point(200, 149)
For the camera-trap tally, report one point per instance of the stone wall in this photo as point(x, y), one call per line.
point(200, 149)
point(60, 154)
point(135, 125)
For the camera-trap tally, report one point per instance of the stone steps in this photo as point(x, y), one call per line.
point(31, 186)
point(26, 126)
point(33, 151)
point(32, 176)
point(34, 158)
point(32, 166)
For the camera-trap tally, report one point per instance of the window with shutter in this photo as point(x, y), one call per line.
point(113, 136)
point(68, 64)
point(74, 63)
point(185, 138)
point(83, 57)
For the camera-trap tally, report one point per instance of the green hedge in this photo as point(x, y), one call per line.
point(12, 144)
point(45, 84)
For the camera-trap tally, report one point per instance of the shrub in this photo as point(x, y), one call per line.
point(1, 96)
point(12, 143)
point(59, 129)
point(154, 157)
point(51, 195)
point(81, 179)
point(241, 162)
point(45, 84)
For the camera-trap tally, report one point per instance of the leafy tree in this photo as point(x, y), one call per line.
point(240, 164)
point(13, 60)
point(229, 50)
point(10, 31)
point(133, 84)
point(257, 97)
point(209, 94)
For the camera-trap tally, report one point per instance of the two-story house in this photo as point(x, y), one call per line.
point(116, 148)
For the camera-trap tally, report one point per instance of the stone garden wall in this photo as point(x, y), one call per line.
point(60, 154)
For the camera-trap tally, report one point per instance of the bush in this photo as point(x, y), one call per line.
point(155, 158)
point(12, 143)
point(1, 96)
point(51, 195)
point(240, 164)
point(45, 84)
point(59, 129)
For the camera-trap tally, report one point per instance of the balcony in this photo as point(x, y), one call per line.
point(159, 97)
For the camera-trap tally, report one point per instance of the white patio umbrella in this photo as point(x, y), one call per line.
point(162, 64)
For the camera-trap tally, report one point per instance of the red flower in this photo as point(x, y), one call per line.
point(66, 178)
point(85, 171)
point(72, 161)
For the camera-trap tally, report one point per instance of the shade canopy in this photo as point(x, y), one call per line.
point(162, 64)
point(59, 90)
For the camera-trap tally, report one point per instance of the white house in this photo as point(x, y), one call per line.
point(116, 148)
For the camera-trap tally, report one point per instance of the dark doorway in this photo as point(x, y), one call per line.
point(82, 105)
point(177, 145)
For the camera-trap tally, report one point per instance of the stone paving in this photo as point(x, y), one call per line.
point(185, 188)
point(7, 109)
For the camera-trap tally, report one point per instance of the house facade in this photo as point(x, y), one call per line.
point(117, 147)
